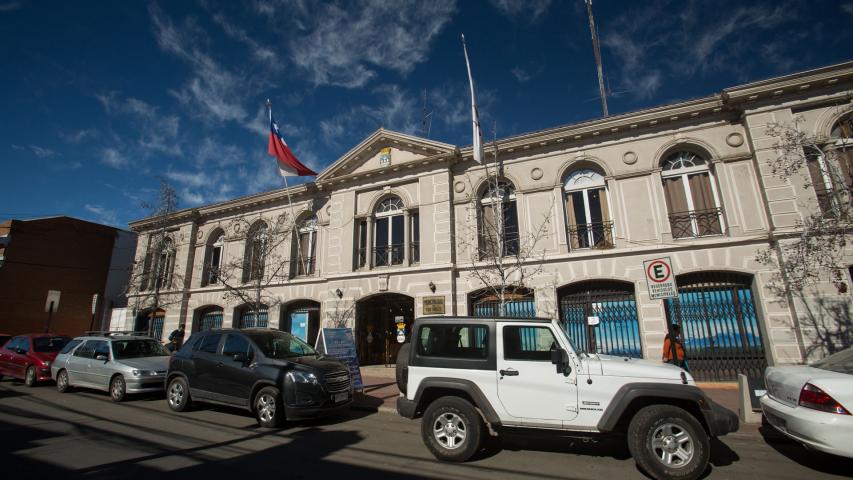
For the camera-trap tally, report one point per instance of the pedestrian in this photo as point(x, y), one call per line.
point(672, 342)
point(177, 336)
point(172, 347)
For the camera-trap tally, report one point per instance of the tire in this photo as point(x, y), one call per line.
point(118, 389)
point(268, 407)
point(668, 443)
point(403, 367)
point(452, 429)
point(62, 385)
point(30, 377)
point(178, 395)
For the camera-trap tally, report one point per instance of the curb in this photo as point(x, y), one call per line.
point(368, 408)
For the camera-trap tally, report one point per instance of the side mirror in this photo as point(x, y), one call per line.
point(561, 359)
point(102, 357)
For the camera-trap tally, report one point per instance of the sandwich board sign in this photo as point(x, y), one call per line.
point(339, 343)
point(660, 278)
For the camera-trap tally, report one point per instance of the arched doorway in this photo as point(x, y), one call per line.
point(302, 319)
point(614, 304)
point(207, 318)
point(150, 322)
point(518, 302)
point(375, 329)
point(719, 325)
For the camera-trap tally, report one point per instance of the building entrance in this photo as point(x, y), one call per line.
point(376, 330)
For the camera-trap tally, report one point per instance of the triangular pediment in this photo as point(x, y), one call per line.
point(382, 150)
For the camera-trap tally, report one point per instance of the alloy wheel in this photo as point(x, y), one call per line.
point(450, 430)
point(265, 406)
point(672, 445)
point(176, 394)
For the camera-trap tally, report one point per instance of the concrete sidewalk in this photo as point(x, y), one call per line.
point(380, 393)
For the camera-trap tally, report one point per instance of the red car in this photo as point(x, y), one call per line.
point(28, 357)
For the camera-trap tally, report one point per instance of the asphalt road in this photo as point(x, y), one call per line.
point(47, 435)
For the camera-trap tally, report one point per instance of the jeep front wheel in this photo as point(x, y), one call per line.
point(668, 443)
point(452, 429)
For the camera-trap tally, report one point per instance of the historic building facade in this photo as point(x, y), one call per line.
point(402, 226)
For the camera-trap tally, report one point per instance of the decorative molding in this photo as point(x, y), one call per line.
point(629, 158)
point(734, 139)
point(536, 173)
point(459, 187)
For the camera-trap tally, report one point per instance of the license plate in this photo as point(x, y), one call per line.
point(340, 397)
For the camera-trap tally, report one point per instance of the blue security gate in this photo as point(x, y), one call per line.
point(719, 325)
point(519, 304)
point(210, 319)
point(248, 319)
point(618, 331)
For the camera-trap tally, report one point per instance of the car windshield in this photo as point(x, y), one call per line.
point(123, 349)
point(49, 344)
point(841, 362)
point(280, 345)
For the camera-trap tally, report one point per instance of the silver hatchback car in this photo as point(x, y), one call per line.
point(118, 363)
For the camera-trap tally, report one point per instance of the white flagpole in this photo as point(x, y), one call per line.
point(289, 201)
point(475, 115)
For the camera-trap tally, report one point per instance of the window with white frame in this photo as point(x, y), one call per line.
point(213, 259)
point(498, 220)
point(830, 167)
point(388, 232)
point(256, 251)
point(305, 247)
point(587, 210)
point(691, 196)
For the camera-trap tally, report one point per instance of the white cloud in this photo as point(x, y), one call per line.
point(102, 214)
point(111, 157)
point(213, 90)
point(260, 53)
point(520, 74)
point(847, 7)
point(397, 112)
point(42, 152)
point(9, 7)
point(78, 136)
point(156, 133)
point(344, 46)
point(527, 9)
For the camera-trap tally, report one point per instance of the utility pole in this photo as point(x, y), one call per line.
point(596, 50)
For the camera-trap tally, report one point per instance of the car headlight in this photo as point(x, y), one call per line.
point(141, 373)
point(303, 377)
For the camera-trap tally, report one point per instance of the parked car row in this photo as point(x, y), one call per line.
point(270, 373)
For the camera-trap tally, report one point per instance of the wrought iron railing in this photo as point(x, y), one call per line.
point(591, 235)
point(387, 255)
point(696, 223)
point(490, 246)
point(302, 267)
point(360, 257)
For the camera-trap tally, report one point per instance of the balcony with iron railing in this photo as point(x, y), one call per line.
point(388, 255)
point(590, 235)
point(696, 223)
point(303, 267)
point(490, 246)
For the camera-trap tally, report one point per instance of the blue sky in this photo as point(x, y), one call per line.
point(98, 99)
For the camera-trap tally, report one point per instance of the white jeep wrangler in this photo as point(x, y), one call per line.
point(469, 377)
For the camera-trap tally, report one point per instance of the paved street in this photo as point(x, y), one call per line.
point(48, 435)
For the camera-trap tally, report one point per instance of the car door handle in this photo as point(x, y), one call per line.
point(509, 372)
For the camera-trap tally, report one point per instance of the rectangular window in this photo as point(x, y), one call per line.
point(453, 341)
point(528, 343)
point(70, 346)
point(87, 350)
point(209, 343)
point(361, 242)
point(416, 238)
point(235, 344)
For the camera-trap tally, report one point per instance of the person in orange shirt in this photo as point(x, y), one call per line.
point(674, 336)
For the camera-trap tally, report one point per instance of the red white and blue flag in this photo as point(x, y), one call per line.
point(288, 165)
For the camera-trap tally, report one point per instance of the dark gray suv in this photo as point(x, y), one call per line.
point(271, 373)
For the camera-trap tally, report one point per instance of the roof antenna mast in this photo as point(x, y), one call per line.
point(426, 118)
point(597, 52)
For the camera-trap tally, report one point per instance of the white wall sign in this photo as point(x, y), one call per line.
point(52, 296)
point(660, 278)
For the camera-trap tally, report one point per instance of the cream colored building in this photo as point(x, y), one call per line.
point(393, 224)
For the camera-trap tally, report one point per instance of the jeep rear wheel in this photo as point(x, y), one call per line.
point(452, 429)
point(403, 367)
point(667, 442)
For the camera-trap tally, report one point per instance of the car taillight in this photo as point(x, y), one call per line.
point(817, 399)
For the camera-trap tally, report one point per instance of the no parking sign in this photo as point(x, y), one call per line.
point(660, 278)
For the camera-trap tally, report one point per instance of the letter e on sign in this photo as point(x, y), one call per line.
point(660, 278)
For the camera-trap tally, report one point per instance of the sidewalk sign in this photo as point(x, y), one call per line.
point(339, 343)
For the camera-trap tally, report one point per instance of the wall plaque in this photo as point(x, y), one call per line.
point(433, 305)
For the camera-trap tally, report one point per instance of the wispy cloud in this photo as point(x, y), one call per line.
point(10, 6)
point(260, 52)
point(847, 8)
point(38, 151)
point(78, 136)
point(102, 214)
point(529, 10)
point(520, 75)
point(156, 133)
point(112, 158)
point(344, 46)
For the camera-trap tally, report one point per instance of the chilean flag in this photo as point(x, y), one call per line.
point(288, 165)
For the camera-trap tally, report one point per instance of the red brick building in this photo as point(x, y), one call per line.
point(75, 257)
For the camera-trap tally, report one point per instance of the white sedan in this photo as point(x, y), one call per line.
point(812, 404)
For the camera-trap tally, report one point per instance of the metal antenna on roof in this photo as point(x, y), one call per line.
point(596, 50)
point(426, 118)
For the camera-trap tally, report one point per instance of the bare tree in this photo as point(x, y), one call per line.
point(153, 276)
point(824, 165)
point(343, 311)
point(248, 278)
point(502, 260)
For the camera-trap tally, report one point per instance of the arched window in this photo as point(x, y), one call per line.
point(213, 258)
point(250, 318)
point(209, 318)
point(256, 252)
point(587, 210)
point(831, 166)
point(389, 232)
point(498, 220)
point(166, 264)
point(691, 196)
point(304, 248)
